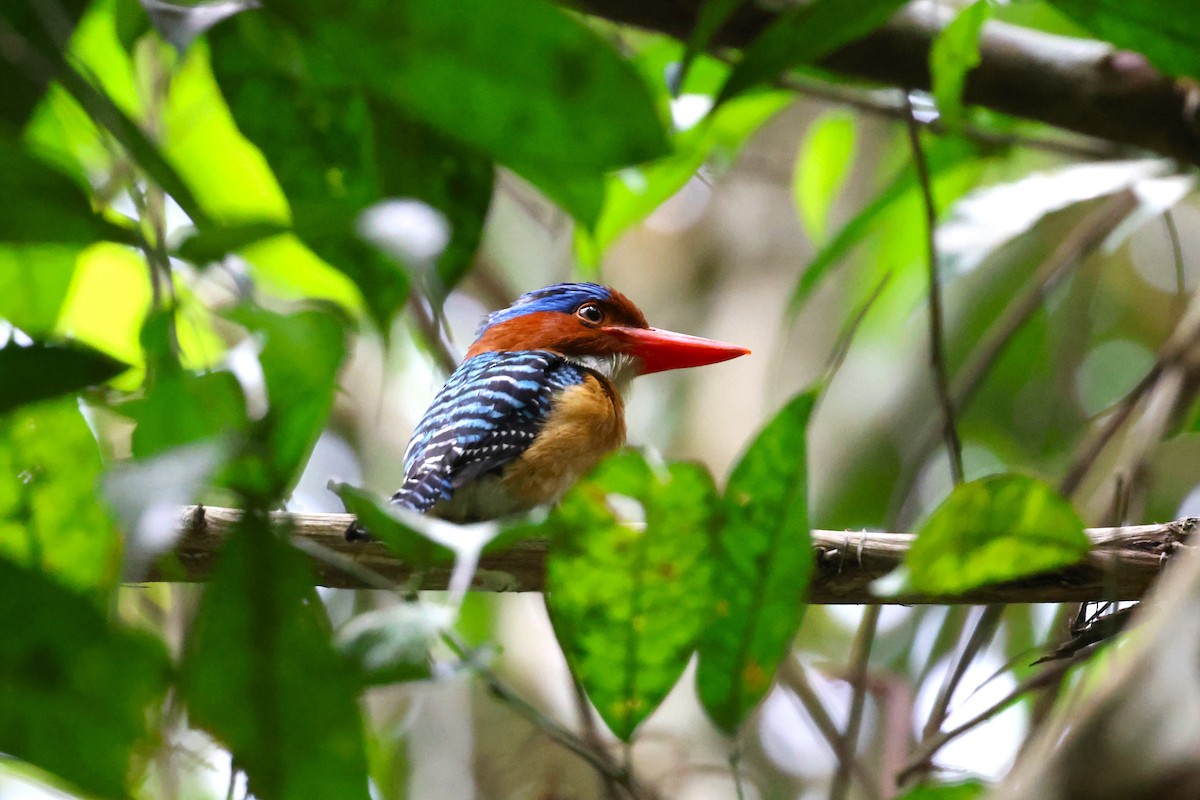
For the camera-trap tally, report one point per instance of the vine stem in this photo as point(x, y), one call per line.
point(937, 355)
point(860, 657)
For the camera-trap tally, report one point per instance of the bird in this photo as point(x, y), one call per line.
point(537, 402)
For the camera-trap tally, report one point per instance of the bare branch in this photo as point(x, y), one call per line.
point(1121, 566)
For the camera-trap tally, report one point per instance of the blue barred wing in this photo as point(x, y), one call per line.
point(488, 412)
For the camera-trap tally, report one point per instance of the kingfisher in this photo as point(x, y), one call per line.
point(537, 401)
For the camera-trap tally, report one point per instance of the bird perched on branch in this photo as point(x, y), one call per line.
point(537, 401)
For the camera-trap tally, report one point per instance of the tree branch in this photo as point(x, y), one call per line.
point(1121, 566)
point(1084, 86)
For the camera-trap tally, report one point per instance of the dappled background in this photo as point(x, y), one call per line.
point(789, 219)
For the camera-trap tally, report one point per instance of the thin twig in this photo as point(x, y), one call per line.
point(981, 634)
point(1177, 254)
point(792, 676)
point(929, 748)
point(735, 764)
point(860, 657)
point(937, 355)
point(1090, 448)
point(434, 336)
point(598, 759)
point(1080, 242)
point(841, 347)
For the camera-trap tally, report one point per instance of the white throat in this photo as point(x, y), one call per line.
point(618, 367)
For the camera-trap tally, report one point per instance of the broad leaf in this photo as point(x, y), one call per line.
point(22, 87)
point(74, 691)
point(633, 194)
point(417, 161)
point(955, 53)
point(301, 355)
point(399, 529)
point(556, 103)
point(42, 370)
point(822, 166)
point(394, 644)
point(261, 675)
point(547, 97)
point(318, 142)
point(628, 603)
point(998, 528)
point(101, 108)
point(50, 518)
point(182, 407)
point(765, 559)
point(713, 14)
point(39, 204)
point(1167, 32)
point(34, 280)
point(967, 790)
point(802, 35)
point(945, 155)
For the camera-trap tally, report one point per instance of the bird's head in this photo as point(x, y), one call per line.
point(598, 327)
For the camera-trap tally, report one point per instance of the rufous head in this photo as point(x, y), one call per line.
point(589, 322)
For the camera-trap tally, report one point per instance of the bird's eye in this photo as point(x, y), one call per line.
point(590, 313)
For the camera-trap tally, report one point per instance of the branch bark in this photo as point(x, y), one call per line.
point(1080, 85)
point(1121, 566)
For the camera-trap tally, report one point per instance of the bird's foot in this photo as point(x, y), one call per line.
point(357, 533)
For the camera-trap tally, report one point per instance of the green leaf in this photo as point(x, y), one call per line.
point(943, 156)
point(633, 194)
point(524, 82)
point(955, 52)
point(402, 531)
point(541, 103)
point(711, 17)
point(218, 241)
point(414, 160)
point(628, 604)
point(183, 407)
point(393, 645)
point(261, 675)
point(301, 355)
point(34, 280)
point(803, 35)
point(102, 109)
point(50, 518)
point(764, 561)
point(39, 204)
point(318, 142)
point(967, 790)
point(822, 166)
point(43, 370)
point(998, 528)
point(178, 406)
point(74, 690)
point(23, 88)
point(1167, 32)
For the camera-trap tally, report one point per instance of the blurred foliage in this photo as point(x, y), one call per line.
point(213, 213)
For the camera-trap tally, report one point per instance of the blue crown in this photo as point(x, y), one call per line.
point(561, 297)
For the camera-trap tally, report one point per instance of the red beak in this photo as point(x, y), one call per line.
point(662, 350)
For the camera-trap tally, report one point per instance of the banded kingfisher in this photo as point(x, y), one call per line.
point(536, 402)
